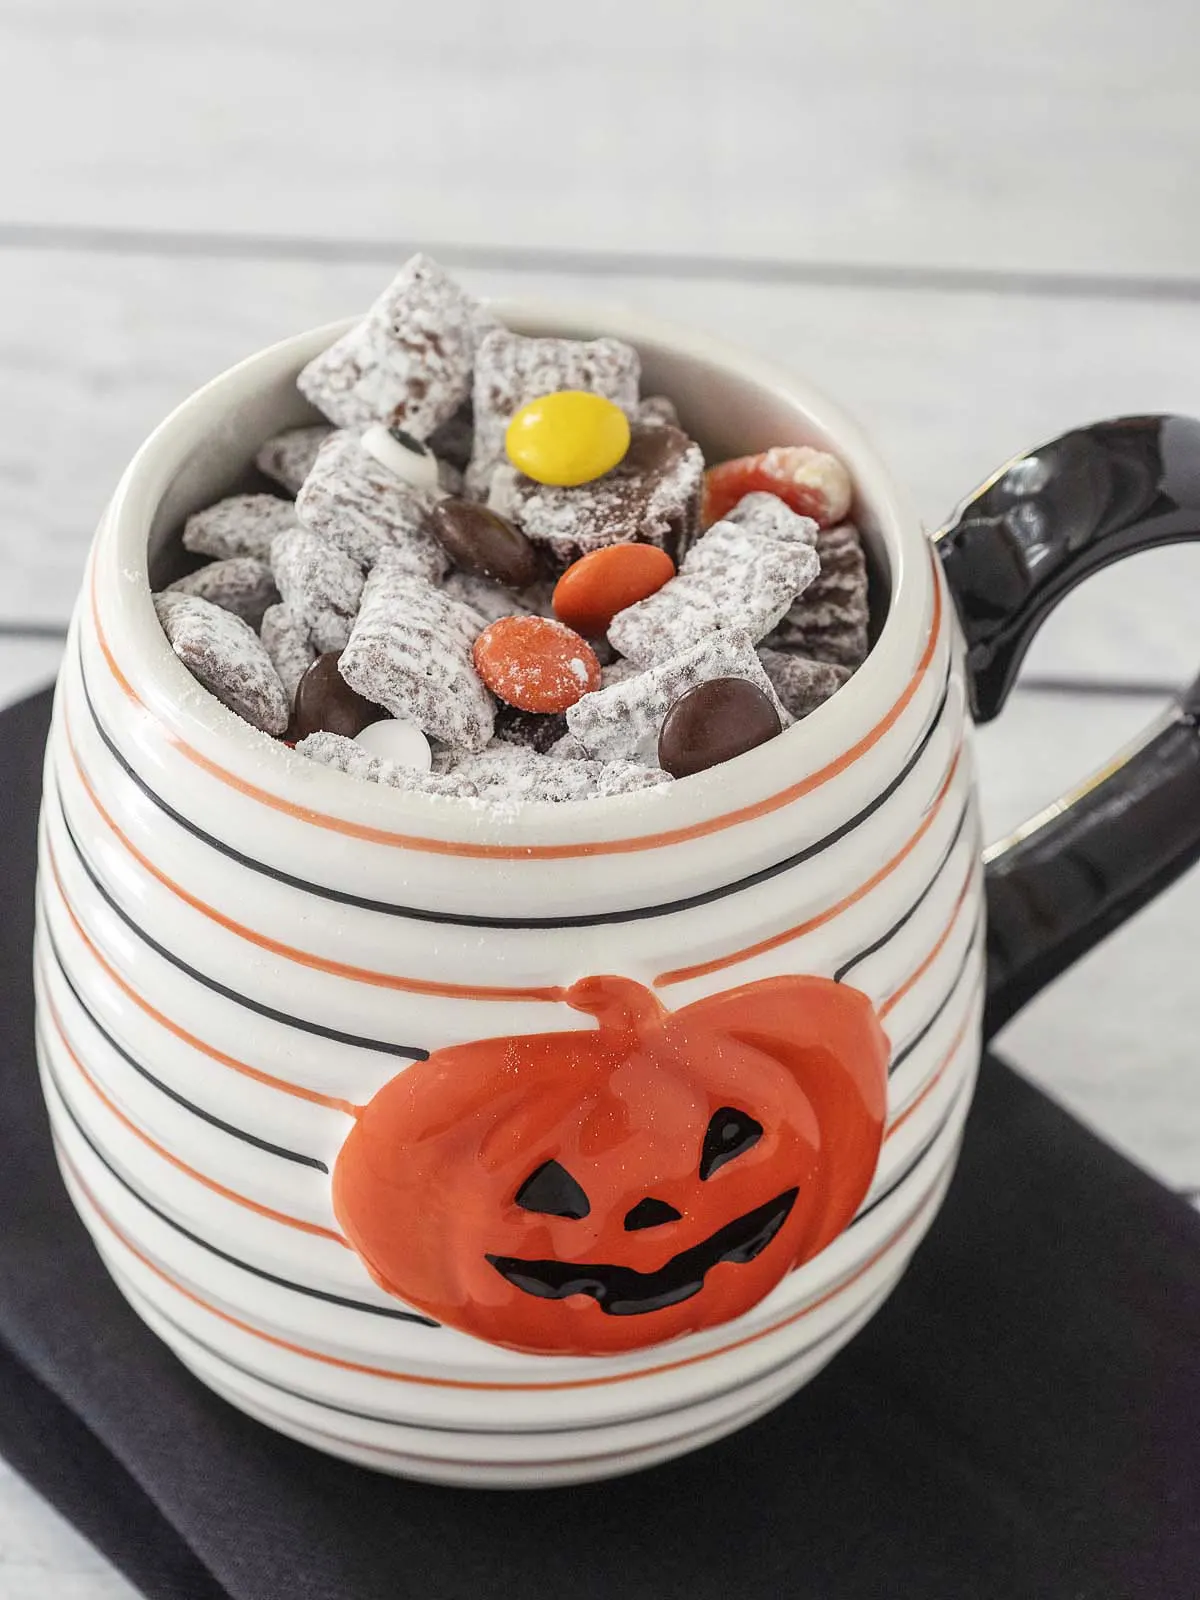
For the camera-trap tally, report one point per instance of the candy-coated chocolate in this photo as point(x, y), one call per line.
point(484, 544)
point(535, 663)
point(714, 722)
point(567, 438)
point(405, 457)
point(396, 739)
point(325, 703)
point(812, 482)
point(593, 589)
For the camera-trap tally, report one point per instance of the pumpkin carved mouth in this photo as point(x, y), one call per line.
point(625, 1292)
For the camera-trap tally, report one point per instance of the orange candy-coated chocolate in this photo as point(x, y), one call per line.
point(812, 482)
point(593, 589)
point(535, 663)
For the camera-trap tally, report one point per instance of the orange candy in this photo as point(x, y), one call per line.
point(812, 482)
point(593, 589)
point(535, 663)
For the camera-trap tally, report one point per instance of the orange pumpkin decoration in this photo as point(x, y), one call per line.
point(594, 1191)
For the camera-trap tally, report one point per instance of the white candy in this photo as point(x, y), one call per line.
point(395, 739)
point(418, 467)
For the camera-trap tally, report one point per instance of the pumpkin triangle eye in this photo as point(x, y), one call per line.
point(730, 1133)
point(552, 1190)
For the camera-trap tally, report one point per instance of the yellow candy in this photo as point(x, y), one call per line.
point(567, 438)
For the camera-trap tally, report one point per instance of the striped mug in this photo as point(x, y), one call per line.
point(525, 1148)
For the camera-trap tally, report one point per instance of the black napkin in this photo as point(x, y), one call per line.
point(1022, 1419)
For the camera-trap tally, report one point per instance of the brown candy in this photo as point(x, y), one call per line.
point(715, 721)
point(325, 703)
point(483, 543)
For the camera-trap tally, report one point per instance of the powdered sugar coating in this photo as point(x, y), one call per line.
point(801, 683)
point(622, 722)
point(537, 730)
point(655, 410)
point(344, 755)
point(408, 361)
point(241, 525)
point(410, 651)
point(320, 586)
point(732, 579)
point(241, 584)
point(489, 599)
point(511, 370)
point(829, 620)
point(356, 504)
point(286, 641)
point(653, 495)
point(225, 655)
point(289, 456)
point(772, 518)
point(510, 775)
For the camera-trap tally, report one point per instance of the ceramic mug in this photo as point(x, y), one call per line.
point(739, 1018)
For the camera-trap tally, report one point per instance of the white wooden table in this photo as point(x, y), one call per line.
point(974, 232)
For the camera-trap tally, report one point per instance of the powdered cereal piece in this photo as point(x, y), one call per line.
point(286, 641)
point(617, 672)
point(652, 495)
point(829, 620)
point(511, 370)
point(408, 361)
point(410, 651)
point(224, 654)
point(289, 456)
point(241, 584)
point(772, 518)
point(732, 578)
point(657, 410)
point(242, 525)
point(344, 755)
point(319, 585)
point(802, 684)
point(622, 722)
point(355, 503)
point(510, 775)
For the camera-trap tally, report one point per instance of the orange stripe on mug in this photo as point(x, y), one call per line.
point(540, 852)
point(919, 972)
point(703, 968)
point(428, 1381)
point(303, 958)
point(936, 1077)
point(173, 1160)
point(331, 1102)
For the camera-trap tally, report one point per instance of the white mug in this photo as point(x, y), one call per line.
point(239, 950)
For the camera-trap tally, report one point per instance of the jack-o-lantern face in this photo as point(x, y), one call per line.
point(577, 1193)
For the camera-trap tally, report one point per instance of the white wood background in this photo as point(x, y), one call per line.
point(975, 226)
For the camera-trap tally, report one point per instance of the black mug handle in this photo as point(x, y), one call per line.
point(1037, 528)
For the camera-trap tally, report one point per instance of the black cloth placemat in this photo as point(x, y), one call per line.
point(1022, 1419)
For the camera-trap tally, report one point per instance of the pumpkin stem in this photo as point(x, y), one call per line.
point(619, 1005)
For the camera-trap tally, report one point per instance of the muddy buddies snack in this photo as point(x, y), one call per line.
point(351, 500)
point(288, 458)
point(243, 525)
point(739, 576)
point(829, 620)
point(511, 370)
point(409, 361)
point(653, 496)
point(554, 629)
point(240, 584)
point(225, 655)
point(410, 650)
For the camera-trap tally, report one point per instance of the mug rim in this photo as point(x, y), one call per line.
point(148, 670)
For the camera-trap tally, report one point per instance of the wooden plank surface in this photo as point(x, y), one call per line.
point(1055, 134)
point(95, 348)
